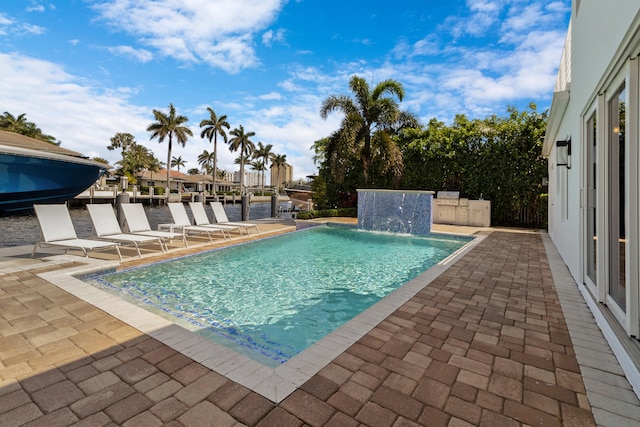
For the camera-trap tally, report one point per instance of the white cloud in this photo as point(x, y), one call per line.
point(5, 23)
point(484, 79)
point(62, 104)
point(290, 86)
point(33, 29)
point(270, 37)
point(141, 55)
point(270, 96)
point(364, 41)
point(292, 128)
point(530, 16)
point(483, 14)
point(219, 34)
point(429, 45)
point(476, 80)
point(35, 8)
point(9, 25)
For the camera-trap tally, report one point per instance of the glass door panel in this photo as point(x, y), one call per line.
point(592, 232)
point(617, 208)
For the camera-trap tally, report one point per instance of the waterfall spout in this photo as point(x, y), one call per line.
point(401, 211)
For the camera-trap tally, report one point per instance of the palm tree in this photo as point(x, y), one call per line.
point(206, 160)
point(169, 126)
point(20, 125)
point(123, 141)
point(258, 165)
point(263, 152)
point(241, 142)
point(213, 126)
point(178, 162)
point(278, 161)
point(368, 121)
point(100, 160)
point(11, 123)
point(193, 171)
point(136, 159)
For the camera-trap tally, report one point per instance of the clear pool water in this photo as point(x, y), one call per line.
point(272, 298)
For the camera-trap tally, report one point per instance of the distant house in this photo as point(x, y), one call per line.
point(592, 143)
point(183, 183)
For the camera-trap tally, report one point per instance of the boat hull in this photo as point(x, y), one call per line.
point(301, 199)
point(26, 180)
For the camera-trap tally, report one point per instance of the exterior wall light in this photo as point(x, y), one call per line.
point(563, 153)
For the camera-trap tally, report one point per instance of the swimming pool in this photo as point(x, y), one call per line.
point(273, 298)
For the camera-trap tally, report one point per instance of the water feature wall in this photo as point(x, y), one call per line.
point(396, 211)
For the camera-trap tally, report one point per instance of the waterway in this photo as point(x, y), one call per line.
point(23, 229)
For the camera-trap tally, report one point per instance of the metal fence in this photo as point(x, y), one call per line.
point(521, 213)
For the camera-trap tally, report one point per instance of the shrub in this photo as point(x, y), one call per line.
point(327, 213)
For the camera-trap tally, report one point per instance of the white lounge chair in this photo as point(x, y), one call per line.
point(202, 219)
point(137, 223)
point(182, 222)
point(106, 226)
point(56, 229)
point(221, 218)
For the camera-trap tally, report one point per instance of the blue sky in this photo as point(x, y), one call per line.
point(83, 70)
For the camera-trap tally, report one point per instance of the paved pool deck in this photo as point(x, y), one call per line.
point(501, 336)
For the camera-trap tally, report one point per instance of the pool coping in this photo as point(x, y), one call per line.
point(274, 384)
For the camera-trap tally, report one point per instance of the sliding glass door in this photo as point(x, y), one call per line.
point(592, 200)
point(616, 199)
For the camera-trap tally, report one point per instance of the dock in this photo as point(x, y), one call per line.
point(93, 195)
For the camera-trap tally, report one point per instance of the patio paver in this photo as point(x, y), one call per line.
point(500, 338)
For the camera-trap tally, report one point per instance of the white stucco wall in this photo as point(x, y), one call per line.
point(599, 42)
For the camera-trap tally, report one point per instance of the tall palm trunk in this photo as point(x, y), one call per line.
point(215, 163)
point(241, 174)
point(169, 168)
point(365, 157)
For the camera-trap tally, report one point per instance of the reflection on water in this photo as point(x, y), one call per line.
point(23, 229)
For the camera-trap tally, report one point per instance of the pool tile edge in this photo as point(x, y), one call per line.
point(274, 384)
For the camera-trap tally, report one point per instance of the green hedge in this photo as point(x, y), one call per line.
point(327, 213)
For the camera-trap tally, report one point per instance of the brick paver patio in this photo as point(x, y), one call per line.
point(486, 343)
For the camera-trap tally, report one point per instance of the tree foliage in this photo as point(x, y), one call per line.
point(169, 126)
point(278, 161)
point(370, 119)
point(206, 161)
point(20, 124)
point(136, 159)
point(496, 158)
point(122, 141)
point(212, 127)
point(264, 154)
point(241, 142)
point(178, 162)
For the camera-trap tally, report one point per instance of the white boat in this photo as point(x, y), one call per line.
point(301, 198)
